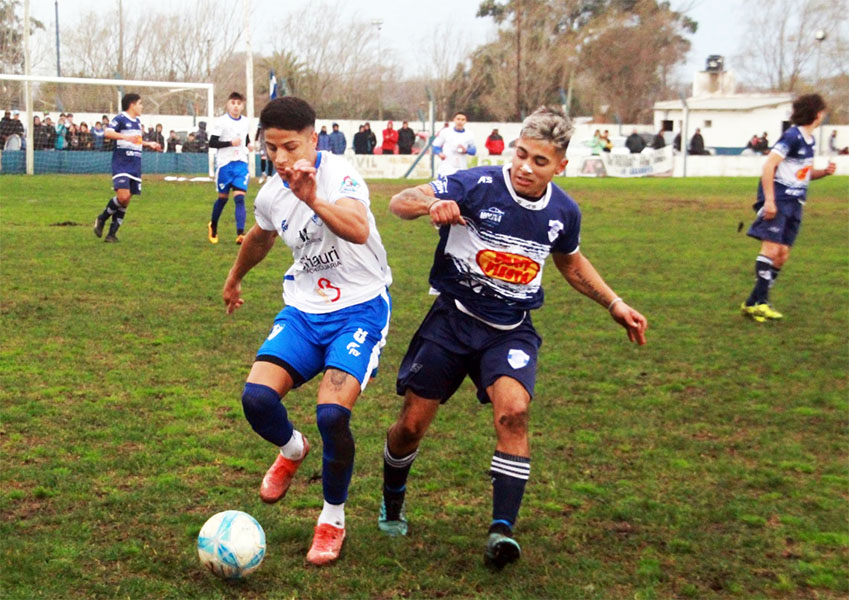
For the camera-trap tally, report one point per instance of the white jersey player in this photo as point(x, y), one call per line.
point(454, 145)
point(337, 308)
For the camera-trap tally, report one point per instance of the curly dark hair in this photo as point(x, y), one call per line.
point(288, 113)
point(806, 108)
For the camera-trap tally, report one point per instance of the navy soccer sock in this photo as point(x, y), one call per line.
point(239, 200)
point(111, 207)
point(509, 475)
point(117, 219)
point(217, 209)
point(337, 463)
point(266, 413)
point(763, 275)
point(395, 472)
point(775, 273)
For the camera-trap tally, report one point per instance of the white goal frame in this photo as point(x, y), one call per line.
point(129, 83)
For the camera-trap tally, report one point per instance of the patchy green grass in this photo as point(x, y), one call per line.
point(711, 463)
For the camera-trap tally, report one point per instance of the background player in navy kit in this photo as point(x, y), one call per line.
point(231, 139)
point(782, 192)
point(126, 130)
point(497, 225)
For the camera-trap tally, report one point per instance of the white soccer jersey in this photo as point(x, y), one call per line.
point(456, 146)
point(228, 129)
point(328, 273)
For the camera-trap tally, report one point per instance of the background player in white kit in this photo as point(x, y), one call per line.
point(337, 307)
point(231, 138)
point(454, 145)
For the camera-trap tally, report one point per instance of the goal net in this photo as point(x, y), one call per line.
point(64, 132)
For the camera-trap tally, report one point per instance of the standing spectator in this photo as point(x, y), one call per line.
point(323, 139)
point(762, 147)
point(361, 141)
point(40, 136)
point(338, 142)
point(453, 145)
point(86, 142)
point(658, 141)
point(202, 137)
point(697, 143)
point(72, 138)
point(49, 130)
point(108, 144)
point(495, 143)
point(595, 143)
point(173, 141)
point(61, 130)
point(5, 127)
point(157, 136)
point(606, 144)
point(191, 145)
point(390, 139)
point(635, 143)
point(676, 142)
point(69, 120)
point(97, 136)
point(406, 139)
point(372, 139)
point(833, 148)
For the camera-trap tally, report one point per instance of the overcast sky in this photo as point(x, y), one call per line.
point(408, 21)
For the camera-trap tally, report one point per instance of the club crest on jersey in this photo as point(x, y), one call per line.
point(517, 358)
point(349, 185)
point(506, 266)
point(491, 214)
point(440, 186)
point(284, 225)
point(554, 229)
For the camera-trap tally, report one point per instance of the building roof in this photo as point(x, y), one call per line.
point(735, 102)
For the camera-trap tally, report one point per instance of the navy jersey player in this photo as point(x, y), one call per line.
point(126, 129)
point(782, 192)
point(497, 225)
point(231, 139)
point(337, 307)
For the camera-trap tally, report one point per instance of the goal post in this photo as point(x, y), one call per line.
point(124, 85)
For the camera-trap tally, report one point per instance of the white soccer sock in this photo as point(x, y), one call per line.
point(333, 514)
point(294, 448)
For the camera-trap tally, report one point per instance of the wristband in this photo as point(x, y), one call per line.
point(613, 303)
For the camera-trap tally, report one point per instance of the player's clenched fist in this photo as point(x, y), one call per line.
point(445, 212)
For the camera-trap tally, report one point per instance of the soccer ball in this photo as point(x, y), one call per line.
point(231, 544)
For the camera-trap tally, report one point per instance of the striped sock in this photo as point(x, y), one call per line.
point(509, 475)
point(763, 275)
point(395, 472)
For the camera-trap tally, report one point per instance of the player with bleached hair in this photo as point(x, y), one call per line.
point(337, 308)
point(782, 192)
point(126, 129)
point(231, 139)
point(497, 225)
point(454, 145)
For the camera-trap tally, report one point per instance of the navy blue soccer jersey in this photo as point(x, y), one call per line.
point(126, 158)
point(793, 174)
point(493, 265)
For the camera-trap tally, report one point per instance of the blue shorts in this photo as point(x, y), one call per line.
point(350, 339)
point(781, 229)
point(232, 175)
point(122, 182)
point(451, 344)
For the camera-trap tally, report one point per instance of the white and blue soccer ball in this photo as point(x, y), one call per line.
point(231, 544)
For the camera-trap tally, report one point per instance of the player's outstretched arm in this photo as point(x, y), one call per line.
point(581, 275)
point(256, 245)
point(416, 202)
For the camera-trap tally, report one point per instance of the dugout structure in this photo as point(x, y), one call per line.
point(121, 86)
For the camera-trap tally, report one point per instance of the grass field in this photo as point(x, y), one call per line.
point(711, 463)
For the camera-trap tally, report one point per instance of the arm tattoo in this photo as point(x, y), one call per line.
point(589, 289)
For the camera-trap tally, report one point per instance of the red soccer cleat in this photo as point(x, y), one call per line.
point(326, 544)
point(279, 476)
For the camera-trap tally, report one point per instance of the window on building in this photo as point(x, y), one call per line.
point(708, 123)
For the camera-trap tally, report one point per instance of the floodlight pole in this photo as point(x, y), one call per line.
point(30, 155)
point(249, 77)
point(819, 36)
point(379, 23)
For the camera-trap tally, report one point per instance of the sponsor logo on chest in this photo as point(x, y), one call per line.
point(506, 266)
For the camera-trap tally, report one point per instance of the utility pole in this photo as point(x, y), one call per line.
point(120, 40)
point(249, 76)
point(379, 23)
point(518, 60)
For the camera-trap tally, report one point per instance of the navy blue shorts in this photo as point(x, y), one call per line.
point(451, 344)
point(122, 182)
point(781, 229)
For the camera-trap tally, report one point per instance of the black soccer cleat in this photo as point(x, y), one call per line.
point(501, 550)
point(110, 238)
point(98, 227)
